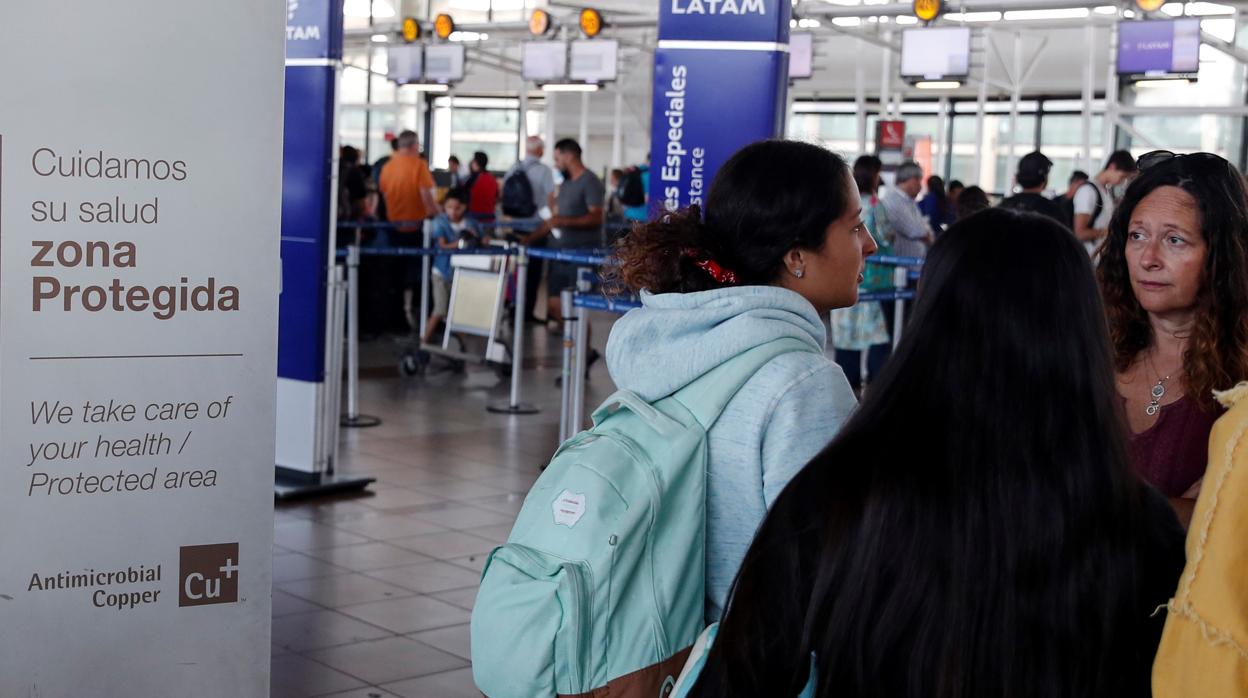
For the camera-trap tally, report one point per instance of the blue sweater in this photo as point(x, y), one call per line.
point(779, 420)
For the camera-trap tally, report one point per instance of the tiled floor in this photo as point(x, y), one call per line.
point(372, 593)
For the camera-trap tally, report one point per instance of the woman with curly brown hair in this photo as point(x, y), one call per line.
point(1174, 272)
point(779, 244)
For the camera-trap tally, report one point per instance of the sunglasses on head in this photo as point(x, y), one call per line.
point(1156, 157)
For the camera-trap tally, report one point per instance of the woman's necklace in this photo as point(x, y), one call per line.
point(1158, 392)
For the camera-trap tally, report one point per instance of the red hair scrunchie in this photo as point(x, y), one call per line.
point(710, 266)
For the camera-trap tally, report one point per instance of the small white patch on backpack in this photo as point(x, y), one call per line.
point(569, 508)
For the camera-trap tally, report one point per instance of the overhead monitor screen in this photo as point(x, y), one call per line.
point(594, 60)
point(544, 61)
point(1159, 48)
point(444, 63)
point(801, 55)
point(406, 63)
point(936, 53)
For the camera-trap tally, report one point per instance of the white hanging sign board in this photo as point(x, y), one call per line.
point(140, 187)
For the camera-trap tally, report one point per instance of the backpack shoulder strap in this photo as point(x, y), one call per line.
point(707, 396)
point(1100, 203)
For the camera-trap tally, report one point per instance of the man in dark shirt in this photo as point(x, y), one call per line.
point(1032, 177)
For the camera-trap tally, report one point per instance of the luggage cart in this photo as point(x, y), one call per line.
point(478, 294)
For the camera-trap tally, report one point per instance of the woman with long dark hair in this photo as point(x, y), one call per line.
point(779, 244)
point(997, 544)
point(863, 327)
point(1174, 271)
point(937, 206)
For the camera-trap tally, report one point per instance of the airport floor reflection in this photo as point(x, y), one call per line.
point(372, 593)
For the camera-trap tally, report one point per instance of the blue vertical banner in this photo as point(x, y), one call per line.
point(313, 50)
point(313, 61)
point(720, 82)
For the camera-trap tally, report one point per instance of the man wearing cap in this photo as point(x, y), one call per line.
point(1032, 177)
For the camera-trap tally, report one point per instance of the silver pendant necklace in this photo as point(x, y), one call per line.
point(1159, 391)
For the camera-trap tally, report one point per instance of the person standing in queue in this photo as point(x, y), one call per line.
point(911, 234)
point(408, 187)
point(1032, 177)
point(863, 327)
point(576, 223)
point(482, 188)
point(1094, 200)
point(936, 206)
point(1067, 200)
point(999, 543)
point(780, 243)
point(1174, 273)
point(529, 202)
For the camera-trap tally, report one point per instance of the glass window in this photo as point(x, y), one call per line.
point(1188, 133)
point(1061, 139)
point(478, 124)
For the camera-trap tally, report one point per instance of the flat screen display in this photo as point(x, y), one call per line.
point(1159, 48)
point(444, 63)
point(406, 63)
point(936, 54)
point(544, 61)
point(594, 60)
point(801, 55)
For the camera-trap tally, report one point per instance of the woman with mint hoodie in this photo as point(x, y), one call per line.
point(778, 244)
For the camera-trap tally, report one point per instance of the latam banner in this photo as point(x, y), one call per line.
point(720, 80)
point(313, 53)
point(139, 213)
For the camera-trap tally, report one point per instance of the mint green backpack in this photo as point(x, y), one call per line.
point(601, 582)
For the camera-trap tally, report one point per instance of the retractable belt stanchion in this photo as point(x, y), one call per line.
point(333, 382)
point(353, 418)
point(569, 342)
point(513, 404)
point(901, 276)
point(425, 266)
point(577, 413)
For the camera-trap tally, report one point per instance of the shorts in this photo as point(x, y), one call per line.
point(441, 295)
point(559, 275)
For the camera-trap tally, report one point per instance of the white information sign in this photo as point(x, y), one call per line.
point(140, 188)
point(593, 60)
point(444, 63)
point(544, 61)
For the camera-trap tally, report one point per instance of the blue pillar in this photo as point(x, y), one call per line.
point(313, 59)
point(720, 79)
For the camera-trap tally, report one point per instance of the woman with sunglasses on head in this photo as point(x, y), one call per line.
point(1174, 273)
point(1001, 546)
point(779, 244)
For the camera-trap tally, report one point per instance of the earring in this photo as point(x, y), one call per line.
point(799, 273)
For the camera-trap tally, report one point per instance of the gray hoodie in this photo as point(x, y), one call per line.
point(783, 416)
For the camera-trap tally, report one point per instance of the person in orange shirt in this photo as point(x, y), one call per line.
point(408, 187)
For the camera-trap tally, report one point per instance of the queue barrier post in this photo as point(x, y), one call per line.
point(576, 420)
point(332, 405)
point(425, 267)
point(569, 344)
point(353, 418)
point(513, 404)
point(901, 277)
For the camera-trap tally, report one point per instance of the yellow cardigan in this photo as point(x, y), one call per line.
point(1204, 649)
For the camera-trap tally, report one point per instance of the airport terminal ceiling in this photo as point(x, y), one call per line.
point(843, 39)
point(1049, 51)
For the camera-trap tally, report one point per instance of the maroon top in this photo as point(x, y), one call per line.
point(1172, 454)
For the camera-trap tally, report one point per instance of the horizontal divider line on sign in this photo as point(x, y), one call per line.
point(679, 44)
point(136, 356)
